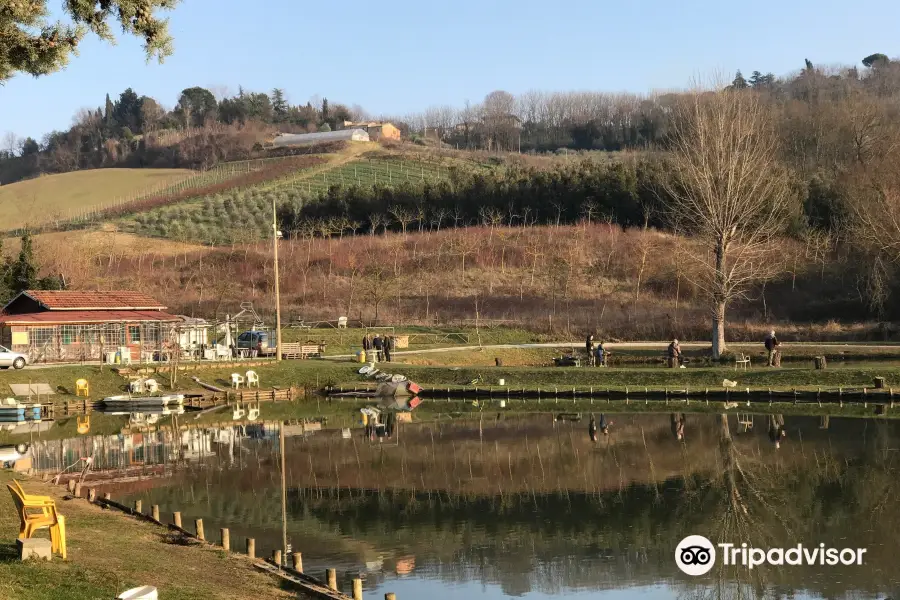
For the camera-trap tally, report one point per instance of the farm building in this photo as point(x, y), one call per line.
point(286, 140)
point(376, 130)
point(51, 326)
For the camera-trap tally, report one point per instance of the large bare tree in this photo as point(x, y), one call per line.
point(725, 186)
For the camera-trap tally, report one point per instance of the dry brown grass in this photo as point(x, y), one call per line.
point(620, 284)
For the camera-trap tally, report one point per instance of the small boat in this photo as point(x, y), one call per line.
point(126, 402)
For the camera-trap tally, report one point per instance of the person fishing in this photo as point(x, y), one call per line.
point(600, 356)
point(772, 348)
point(592, 429)
point(678, 426)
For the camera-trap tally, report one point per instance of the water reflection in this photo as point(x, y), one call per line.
point(532, 507)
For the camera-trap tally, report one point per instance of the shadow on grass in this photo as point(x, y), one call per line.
point(9, 553)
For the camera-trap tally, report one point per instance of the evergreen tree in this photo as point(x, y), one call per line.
point(30, 43)
point(739, 82)
point(109, 110)
point(325, 109)
point(279, 105)
point(5, 295)
point(23, 273)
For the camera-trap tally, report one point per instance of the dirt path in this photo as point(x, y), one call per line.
point(632, 346)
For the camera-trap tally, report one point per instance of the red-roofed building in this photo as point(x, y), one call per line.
point(67, 325)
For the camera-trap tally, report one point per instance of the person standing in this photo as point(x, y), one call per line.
point(388, 346)
point(600, 355)
point(378, 345)
point(592, 429)
point(772, 345)
point(589, 348)
point(674, 352)
point(367, 345)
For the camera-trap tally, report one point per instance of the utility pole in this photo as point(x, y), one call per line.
point(275, 235)
point(284, 548)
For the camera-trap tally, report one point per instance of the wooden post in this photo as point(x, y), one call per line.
point(357, 588)
point(176, 519)
point(154, 512)
point(77, 490)
point(390, 596)
point(276, 557)
point(251, 547)
point(71, 484)
point(297, 561)
point(138, 505)
point(92, 495)
point(226, 539)
point(198, 524)
point(331, 578)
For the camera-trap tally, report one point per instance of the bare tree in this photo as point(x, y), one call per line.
point(726, 187)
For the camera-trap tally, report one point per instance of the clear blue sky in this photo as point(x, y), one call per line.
point(400, 56)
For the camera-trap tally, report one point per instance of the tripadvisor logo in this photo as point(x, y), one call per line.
point(696, 555)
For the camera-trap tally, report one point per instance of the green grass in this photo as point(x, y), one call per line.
point(40, 201)
point(109, 553)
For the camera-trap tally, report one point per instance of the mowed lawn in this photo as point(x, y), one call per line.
point(41, 200)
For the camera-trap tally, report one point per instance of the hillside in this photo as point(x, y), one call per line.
point(240, 213)
point(626, 285)
point(40, 201)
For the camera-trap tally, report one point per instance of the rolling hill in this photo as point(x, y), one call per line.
point(40, 201)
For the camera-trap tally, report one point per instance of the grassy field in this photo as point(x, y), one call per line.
point(109, 552)
point(40, 201)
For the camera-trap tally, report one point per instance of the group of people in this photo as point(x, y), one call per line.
point(596, 353)
point(382, 346)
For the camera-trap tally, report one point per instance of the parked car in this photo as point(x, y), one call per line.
point(260, 341)
point(8, 359)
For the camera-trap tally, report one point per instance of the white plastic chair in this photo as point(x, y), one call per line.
point(151, 385)
point(238, 412)
point(237, 380)
point(342, 322)
point(253, 413)
point(137, 386)
point(252, 379)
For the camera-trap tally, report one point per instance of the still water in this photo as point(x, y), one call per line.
point(530, 507)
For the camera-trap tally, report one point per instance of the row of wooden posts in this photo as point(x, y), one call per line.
point(75, 488)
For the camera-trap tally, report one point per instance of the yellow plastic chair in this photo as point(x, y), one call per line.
point(82, 386)
point(83, 424)
point(30, 497)
point(46, 518)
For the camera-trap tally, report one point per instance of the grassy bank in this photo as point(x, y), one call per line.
point(109, 553)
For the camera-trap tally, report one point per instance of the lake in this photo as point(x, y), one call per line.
point(531, 507)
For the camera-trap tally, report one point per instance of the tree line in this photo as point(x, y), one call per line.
point(138, 131)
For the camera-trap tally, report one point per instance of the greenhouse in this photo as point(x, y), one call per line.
point(286, 140)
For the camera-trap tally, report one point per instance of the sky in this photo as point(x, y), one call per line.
point(400, 56)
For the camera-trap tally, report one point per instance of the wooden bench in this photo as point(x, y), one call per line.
point(298, 350)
